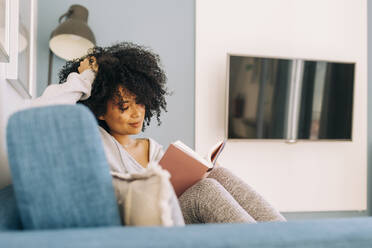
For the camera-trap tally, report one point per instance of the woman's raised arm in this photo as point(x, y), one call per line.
point(77, 87)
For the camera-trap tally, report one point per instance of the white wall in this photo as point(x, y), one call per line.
point(10, 100)
point(306, 176)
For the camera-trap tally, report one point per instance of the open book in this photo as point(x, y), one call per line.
point(186, 166)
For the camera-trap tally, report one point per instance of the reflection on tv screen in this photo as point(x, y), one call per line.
point(272, 98)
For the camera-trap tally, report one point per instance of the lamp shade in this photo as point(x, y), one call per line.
point(73, 37)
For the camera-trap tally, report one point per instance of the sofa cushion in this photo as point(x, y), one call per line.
point(9, 216)
point(147, 198)
point(59, 170)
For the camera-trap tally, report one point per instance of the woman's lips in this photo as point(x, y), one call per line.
point(135, 124)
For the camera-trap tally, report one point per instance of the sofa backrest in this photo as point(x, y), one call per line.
point(59, 170)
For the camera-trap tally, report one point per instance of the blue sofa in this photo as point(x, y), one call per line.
point(62, 196)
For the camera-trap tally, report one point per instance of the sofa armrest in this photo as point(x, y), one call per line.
point(59, 170)
point(9, 215)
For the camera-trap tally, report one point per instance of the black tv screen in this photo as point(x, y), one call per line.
point(277, 98)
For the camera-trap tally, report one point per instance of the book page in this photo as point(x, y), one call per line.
point(215, 151)
point(192, 153)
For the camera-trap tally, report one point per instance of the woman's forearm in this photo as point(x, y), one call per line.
point(77, 87)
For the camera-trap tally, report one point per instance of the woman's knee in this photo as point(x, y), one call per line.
point(208, 189)
point(218, 172)
point(207, 182)
point(200, 190)
point(207, 185)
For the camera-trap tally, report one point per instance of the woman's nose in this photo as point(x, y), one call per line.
point(136, 110)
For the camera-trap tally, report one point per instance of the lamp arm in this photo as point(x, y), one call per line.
point(50, 68)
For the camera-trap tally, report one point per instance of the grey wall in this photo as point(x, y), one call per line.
point(166, 26)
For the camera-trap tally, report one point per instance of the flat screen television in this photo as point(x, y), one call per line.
point(291, 99)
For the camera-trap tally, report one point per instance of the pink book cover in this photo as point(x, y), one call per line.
point(184, 169)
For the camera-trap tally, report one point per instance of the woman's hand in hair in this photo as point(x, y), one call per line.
point(88, 63)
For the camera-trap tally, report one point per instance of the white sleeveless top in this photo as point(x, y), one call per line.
point(121, 161)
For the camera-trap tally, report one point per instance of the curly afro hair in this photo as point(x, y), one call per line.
point(135, 68)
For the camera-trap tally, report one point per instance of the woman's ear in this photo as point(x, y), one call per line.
point(102, 118)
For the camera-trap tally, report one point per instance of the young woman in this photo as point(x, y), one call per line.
point(124, 86)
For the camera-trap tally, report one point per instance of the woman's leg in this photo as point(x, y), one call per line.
point(208, 202)
point(255, 205)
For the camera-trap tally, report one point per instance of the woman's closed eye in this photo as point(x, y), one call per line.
point(125, 105)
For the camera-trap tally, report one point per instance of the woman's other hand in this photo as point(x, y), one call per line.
point(88, 63)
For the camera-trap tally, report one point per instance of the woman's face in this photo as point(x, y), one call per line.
point(128, 122)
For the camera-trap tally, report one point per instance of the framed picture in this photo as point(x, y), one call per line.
point(21, 67)
point(4, 30)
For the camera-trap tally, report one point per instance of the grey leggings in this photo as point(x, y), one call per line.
point(222, 197)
